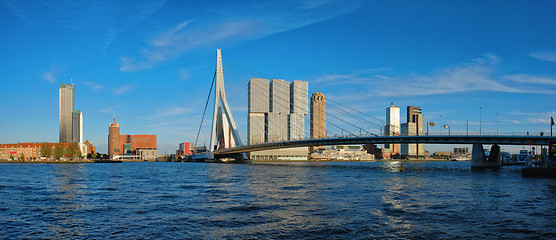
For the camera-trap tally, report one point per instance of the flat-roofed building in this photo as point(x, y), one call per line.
point(66, 104)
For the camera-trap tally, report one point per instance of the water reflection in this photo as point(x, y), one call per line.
point(68, 200)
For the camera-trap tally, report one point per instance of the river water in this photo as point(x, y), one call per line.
point(312, 200)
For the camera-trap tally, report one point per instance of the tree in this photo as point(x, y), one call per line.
point(22, 157)
point(11, 156)
point(73, 150)
point(46, 149)
point(59, 150)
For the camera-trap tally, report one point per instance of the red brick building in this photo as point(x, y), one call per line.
point(140, 145)
point(90, 148)
point(29, 150)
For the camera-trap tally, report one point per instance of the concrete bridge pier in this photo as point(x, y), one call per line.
point(480, 161)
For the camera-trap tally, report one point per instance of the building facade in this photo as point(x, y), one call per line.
point(27, 151)
point(392, 128)
point(66, 105)
point(91, 149)
point(77, 127)
point(317, 118)
point(114, 147)
point(277, 111)
point(259, 107)
point(143, 146)
point(415, 126)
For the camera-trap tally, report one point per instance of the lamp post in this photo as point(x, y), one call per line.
point(497, 124)
point(480, 120)
point(440, 122)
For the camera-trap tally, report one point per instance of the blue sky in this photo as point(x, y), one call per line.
point(150, 63)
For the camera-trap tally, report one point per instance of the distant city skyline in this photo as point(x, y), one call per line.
point(150, 64)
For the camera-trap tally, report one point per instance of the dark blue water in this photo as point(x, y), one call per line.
point(290, 200)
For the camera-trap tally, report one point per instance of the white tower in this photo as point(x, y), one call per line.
point(227, 134)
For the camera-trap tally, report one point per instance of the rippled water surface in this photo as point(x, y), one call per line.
point(274, 200)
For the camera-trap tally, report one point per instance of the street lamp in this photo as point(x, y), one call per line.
point(448, 127)
point(497, 124)
point(480, 120)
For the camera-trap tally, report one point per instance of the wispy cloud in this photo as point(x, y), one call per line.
point(225, 25)
point(476, 75)
point(525, 78)
point(123, 89)
point(93, 85)
point(105, 20)
point(544, 55)
point(534, 117)
point(49, 77)
point(165, 112)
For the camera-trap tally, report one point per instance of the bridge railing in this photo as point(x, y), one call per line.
point(443, 133)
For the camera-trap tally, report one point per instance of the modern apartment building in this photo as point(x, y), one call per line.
point(392, 128)
point(66, 104)
point(142, 146)
point(415, 126)
point(277, 112)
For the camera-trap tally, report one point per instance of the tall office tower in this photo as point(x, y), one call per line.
point(277, 121)
point(114, 146)
point(392, 128)
point(77, 127)
point(298, 109)
point(279, 96)
point(67, 98)
point(415, 127)
point(413, 113)
point(318, 117)
point(258, 105)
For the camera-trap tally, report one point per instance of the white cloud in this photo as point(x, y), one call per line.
point(104, 20)
point(93, 85)
point(171, 111)
point(530, 79)
point(123, 89)
point(49, 77)
point(544, 55)
point(184, 74)
point(534, 117)
point(477, 75)
point(222, 25)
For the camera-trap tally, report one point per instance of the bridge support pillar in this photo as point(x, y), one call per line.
point(479, 160)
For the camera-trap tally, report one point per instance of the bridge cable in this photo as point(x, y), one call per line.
point(206, 105)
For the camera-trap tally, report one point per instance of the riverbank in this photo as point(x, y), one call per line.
point(80, 161)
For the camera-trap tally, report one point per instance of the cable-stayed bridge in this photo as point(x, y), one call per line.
point(344, 125)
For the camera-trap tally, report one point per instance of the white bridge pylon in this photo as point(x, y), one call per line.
point(224, 132)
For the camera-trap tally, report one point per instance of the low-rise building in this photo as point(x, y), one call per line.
point(343, 153)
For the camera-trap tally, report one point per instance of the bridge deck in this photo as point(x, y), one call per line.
point(440, 139)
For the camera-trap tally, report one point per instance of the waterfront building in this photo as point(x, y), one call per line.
point(91, 149)
point(26, 151)
point(185, 148)
point(66, 104)
point(343, 153)
point(392, 128)
point(259, 107)
point(114, 147)
point(415, 126)
point(298, 109)
point(141, 146)
point(277, 111)
point(318, 117)
point(77, 127)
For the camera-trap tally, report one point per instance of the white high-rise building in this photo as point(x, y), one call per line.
point(66, 102)
point(77, 127)
point(392, 128)
point(258, 104)
point(277, 111)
